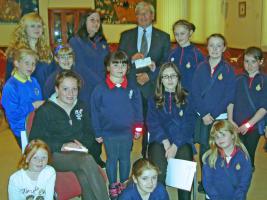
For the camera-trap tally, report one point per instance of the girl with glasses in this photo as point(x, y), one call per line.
point(170, 123)
point(64, 58)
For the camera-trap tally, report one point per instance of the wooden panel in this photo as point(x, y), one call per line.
point(65, 20)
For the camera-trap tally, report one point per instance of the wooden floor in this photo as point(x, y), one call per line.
point(10, 153)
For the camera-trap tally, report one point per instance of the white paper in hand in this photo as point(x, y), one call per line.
point(141, 63)
point(180, 173)
point(82, 149)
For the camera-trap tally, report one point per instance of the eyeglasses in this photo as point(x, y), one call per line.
point(66, 56)
point(171, 77)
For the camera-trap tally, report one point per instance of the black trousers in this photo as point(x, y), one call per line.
point(156, 153)
point(201, 137)
point(251, 140)
point(145, 136)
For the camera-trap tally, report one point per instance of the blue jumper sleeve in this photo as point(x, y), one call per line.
point(207, 180)
point(199, 103)
point(11, 103)
point(130, 193)
point(160, 193)
point(245, 179)
point(137, 104)
point(155, 129)
point(263, 102)
point(95, 112)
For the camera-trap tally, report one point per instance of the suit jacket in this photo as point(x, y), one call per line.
point(159, 51)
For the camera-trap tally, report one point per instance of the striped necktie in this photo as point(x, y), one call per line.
point(144, 47)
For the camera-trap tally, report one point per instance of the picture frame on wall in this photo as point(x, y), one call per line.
point(119, 11)
point(242, 9)
point(13, 10)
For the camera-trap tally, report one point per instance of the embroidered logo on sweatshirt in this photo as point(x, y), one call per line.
point(220, 77)
point(237, 167)
point(258, 87)
point(188, 65)
point(130, 94)
point(36, 91)
point(79, 114)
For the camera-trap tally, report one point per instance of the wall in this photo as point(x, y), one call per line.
point(6, 30)
point(264, 26)
point(209, 16)
point(167, 12)
point(242, 32)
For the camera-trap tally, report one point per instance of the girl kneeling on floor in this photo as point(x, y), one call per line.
point(227, 169)
point(144, 184)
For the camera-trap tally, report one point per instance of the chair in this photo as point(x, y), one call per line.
point(67, 185)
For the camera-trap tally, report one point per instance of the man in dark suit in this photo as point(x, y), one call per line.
point(145, 41)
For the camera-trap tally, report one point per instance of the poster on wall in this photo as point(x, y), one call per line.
point(119, 11)
point(13, 10)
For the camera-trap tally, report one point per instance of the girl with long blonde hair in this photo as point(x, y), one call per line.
point(31, 33)
point(227, 171)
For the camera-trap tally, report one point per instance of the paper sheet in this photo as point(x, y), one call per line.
point(82, 149)
point(180, 173)
point(140, 63)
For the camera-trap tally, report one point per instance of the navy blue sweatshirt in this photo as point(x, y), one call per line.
point(228, 181)
point(131, 193)
point(115, 111)
point(170, 122)
point(89, 64)
point(214, 99)
point(186, 59)
point(257, 88)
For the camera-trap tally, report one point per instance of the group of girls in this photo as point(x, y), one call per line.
point(217, 94)
point(29, 58)
point(193, 94)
